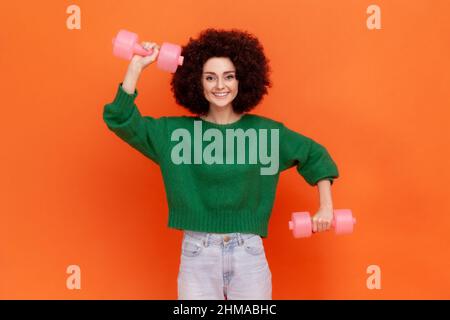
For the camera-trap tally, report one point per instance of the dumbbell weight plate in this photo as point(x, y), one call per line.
point(122, 44)
point(343, 221)
point(301, 225)
point(169, 57)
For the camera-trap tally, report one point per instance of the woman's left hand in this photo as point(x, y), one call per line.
point(322, 220)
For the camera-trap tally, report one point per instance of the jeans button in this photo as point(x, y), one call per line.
point(226, 238)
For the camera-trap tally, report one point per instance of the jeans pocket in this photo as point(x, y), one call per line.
point(191, 248)
point(254, 245)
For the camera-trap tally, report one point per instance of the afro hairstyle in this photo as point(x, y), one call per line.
point(247, 55)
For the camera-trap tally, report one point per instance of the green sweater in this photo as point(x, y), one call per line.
point(218, 177)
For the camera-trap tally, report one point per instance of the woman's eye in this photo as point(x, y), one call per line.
point(228, 77)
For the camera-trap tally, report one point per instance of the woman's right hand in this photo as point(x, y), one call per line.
point(139, 62)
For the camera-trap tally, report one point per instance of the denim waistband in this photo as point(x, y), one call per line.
point(219, 238)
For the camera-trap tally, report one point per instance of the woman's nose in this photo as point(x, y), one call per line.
point(220, 83)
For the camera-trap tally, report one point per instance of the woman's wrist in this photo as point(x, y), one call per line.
point(131, 79)
point(326, 206)
point(134, 70)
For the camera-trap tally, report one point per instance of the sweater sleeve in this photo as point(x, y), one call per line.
point(144, 133)
point(311, 159)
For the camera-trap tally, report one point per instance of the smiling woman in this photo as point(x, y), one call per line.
point(222, 61)
point(224, 85)
point(220, 88)
point(220, 168)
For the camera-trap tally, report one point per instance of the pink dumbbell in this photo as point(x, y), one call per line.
point(125, 45)
point(301, 223)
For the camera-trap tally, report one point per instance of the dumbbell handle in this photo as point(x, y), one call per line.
point(138, 49)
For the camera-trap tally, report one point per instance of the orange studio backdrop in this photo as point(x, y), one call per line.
point(367, 79)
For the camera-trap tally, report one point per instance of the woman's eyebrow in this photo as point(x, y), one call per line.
point(214, 73)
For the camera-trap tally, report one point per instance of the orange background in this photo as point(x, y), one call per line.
point(73, 193)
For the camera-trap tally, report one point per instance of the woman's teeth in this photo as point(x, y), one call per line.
point(220, 95)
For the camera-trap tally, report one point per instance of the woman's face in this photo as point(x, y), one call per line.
point(219, 76)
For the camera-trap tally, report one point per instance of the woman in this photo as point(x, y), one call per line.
point(221, 165)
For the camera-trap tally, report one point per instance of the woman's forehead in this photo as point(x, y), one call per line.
point(218, 64)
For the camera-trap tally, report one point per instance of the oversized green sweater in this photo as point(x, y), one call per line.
point(218, 177)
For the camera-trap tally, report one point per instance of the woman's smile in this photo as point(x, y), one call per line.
point(221, 95)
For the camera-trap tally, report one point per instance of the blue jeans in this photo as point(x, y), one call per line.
point(229, 266)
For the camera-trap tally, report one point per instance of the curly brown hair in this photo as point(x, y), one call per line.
point(247, 55)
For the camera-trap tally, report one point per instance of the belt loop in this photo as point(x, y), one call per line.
point(206, 241)
point(240, 239)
